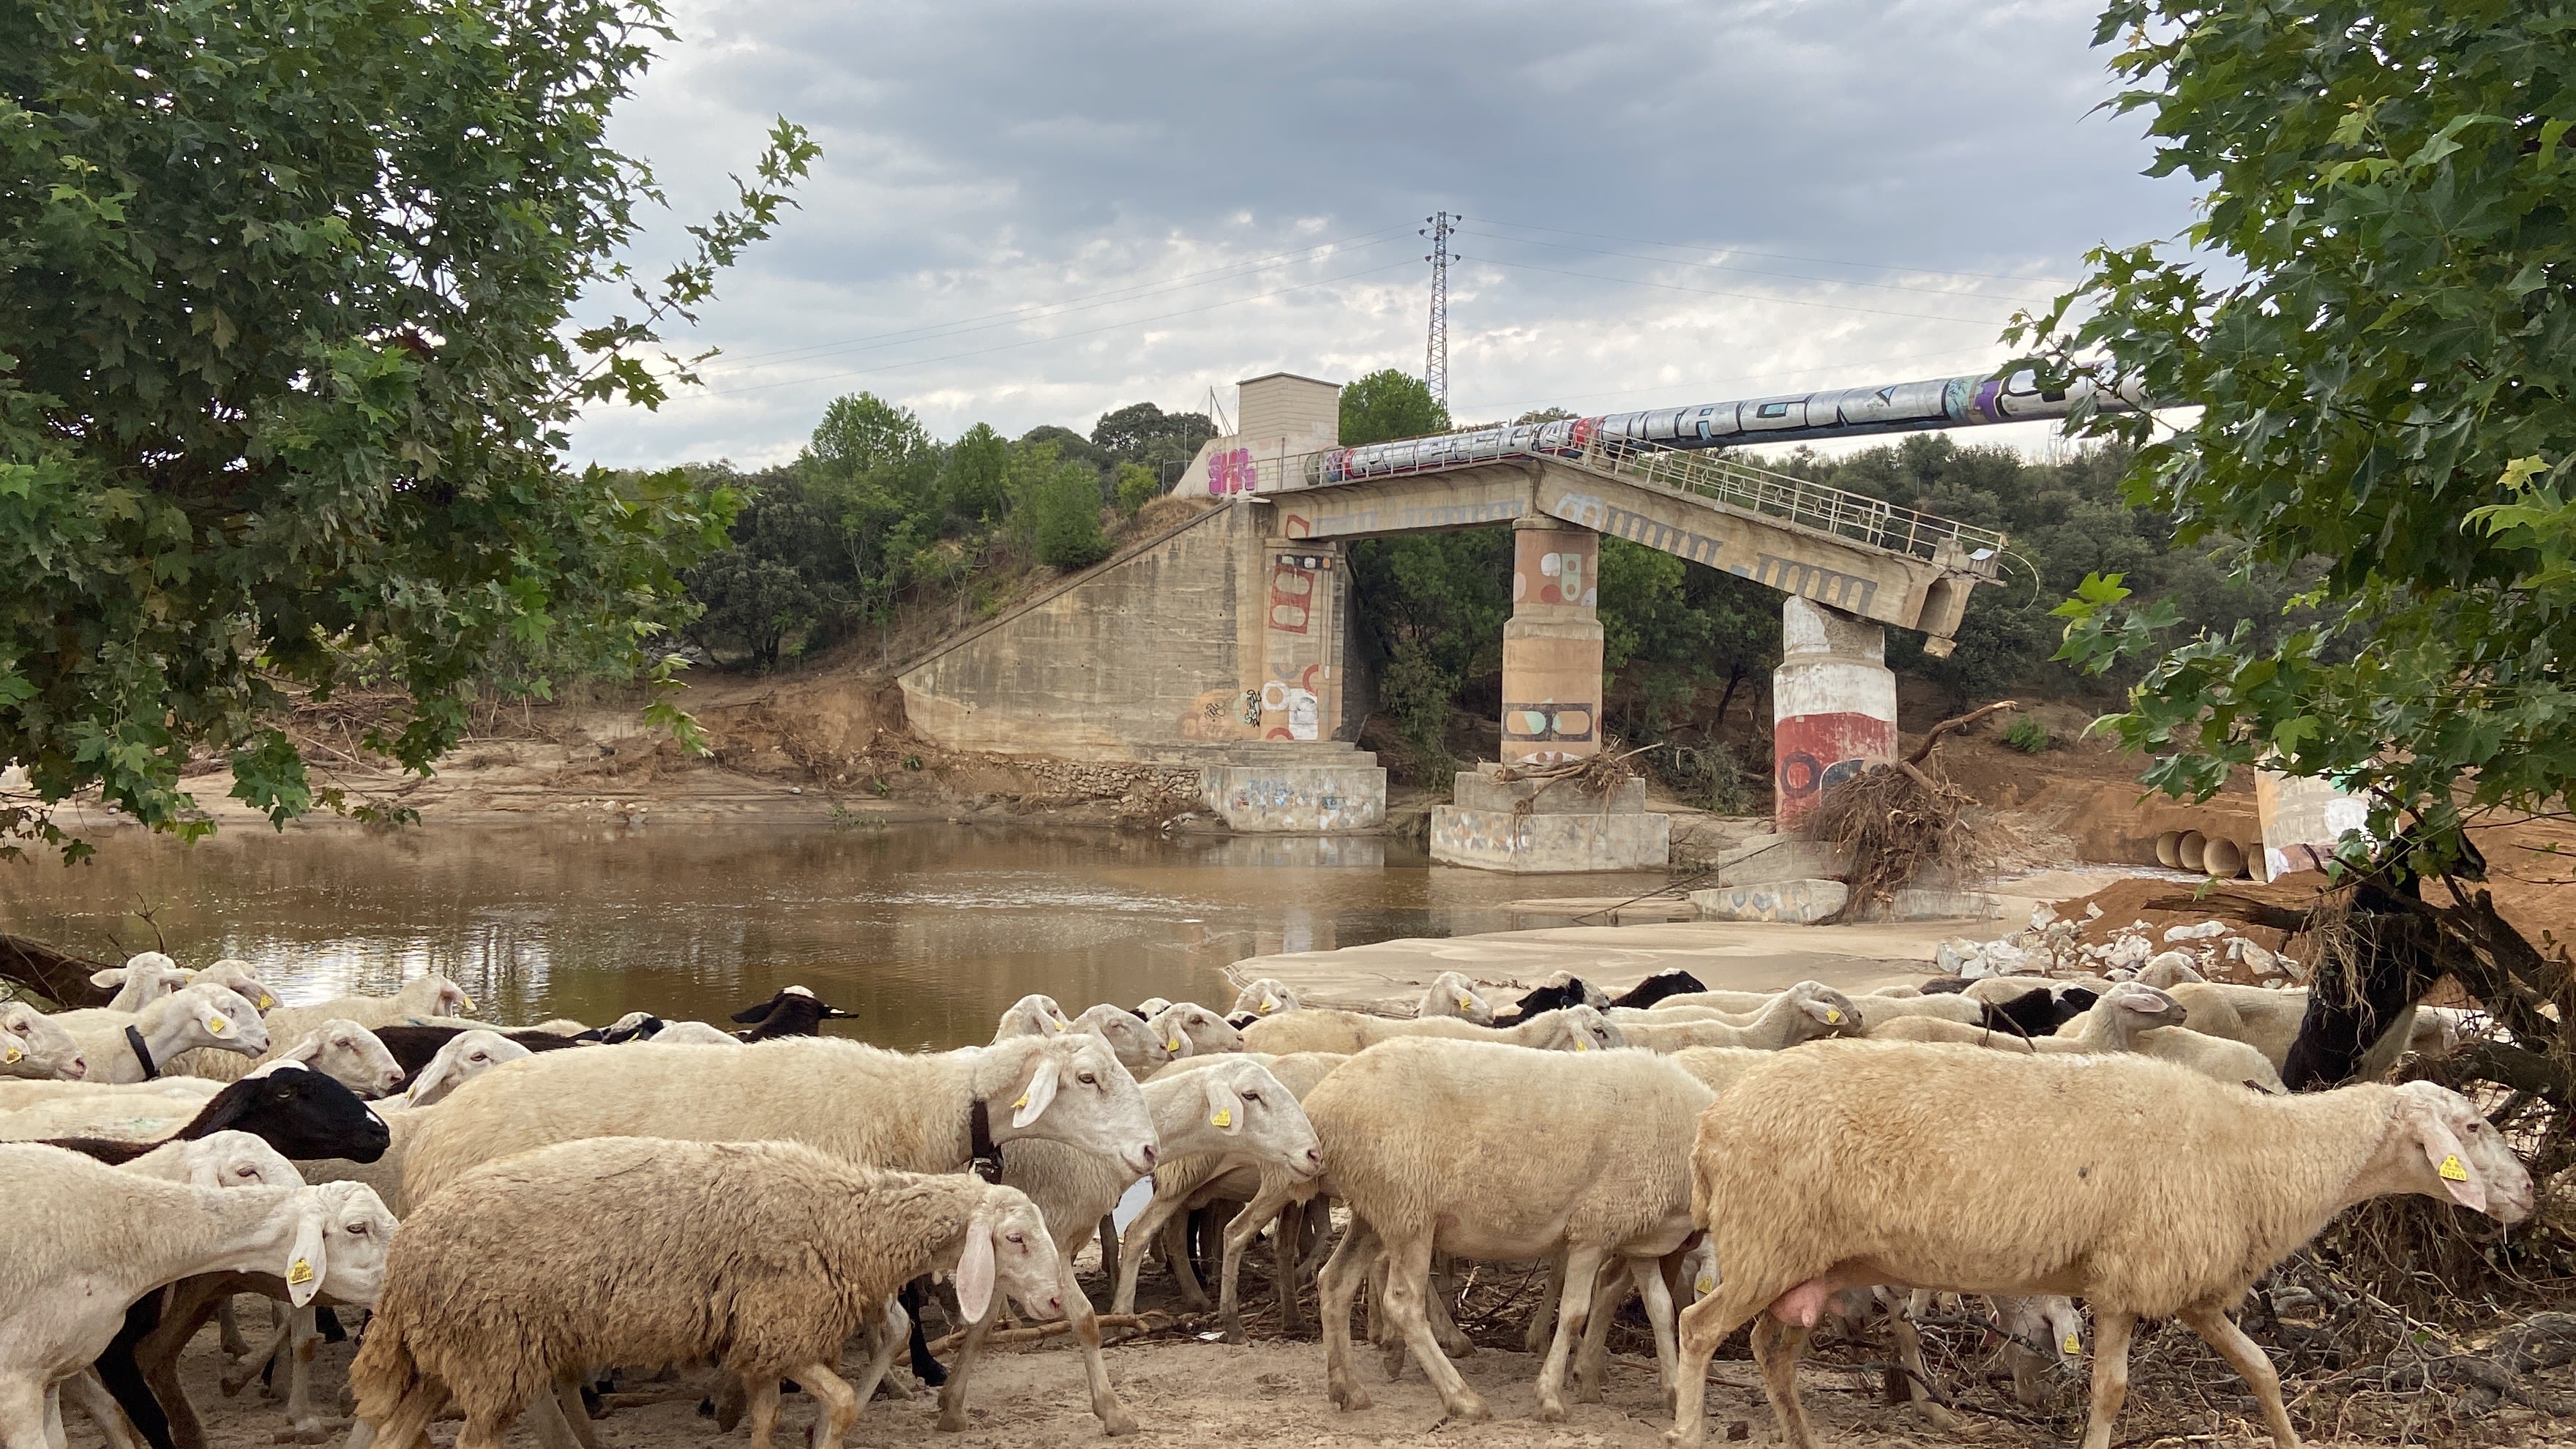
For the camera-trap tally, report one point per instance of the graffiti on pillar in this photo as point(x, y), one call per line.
point(1848, 592)
point(1230, 471)
point(1548, 722)
point(1562, 580)
point(1292, 590)
point(1817, 751)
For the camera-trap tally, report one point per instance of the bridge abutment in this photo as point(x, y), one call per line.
point(1833, 705)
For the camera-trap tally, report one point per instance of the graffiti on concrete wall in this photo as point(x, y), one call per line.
point(1230, 471)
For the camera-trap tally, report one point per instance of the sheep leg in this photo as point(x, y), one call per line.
point(303, 1426)
point(156, 1357)
point(1705, 1325)
point(839, 1403)
point(890, 1327)
point(2110, 1373)
point(1137, 1245)
point(91, 1397)
point(1176, 1257)
point(1334, 1290)
point(1238, 1236)
point(1573, 1316)
point(1917, 1387)
point(550, 1420)
point(1592, 1361)
point(1407, 1287)
point(1776, 1347)
point(1542, 1322)
point(407, 1427)
point(952, 1394)
point(1283, 1267)
point(483, 1430)
point(1658, 1297)
point(237, 1378)
point(764, 1405)
point(229, 1324)
point(1109, 1250)
point(2251, 1363)
point(1114, 1418)
point(55, 1438)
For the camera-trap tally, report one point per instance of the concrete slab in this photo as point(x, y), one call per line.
point(1549, 844)
point(1944, 905)
point(1273, 798)
point(1790, 902)
point(1598, 911)
point(1765, 859)
point(1479, 790)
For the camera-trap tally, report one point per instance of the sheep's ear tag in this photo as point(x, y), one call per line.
point(299, 1273)
point(1022, 1104)
point(1466, 1003)
point(2452, 1170)
point(1063, 1025)
point(1833, 1016)
point(218, 1025)
point(1581, 1045)
point(2072, 1345)
point(1172, 1044)
point(1223, 1117)
point(266, 1001)
point(1706, 1285)
point(13, 1055)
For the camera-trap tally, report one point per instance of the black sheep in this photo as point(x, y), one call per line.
point(1658, 986)
point(1545, 998)
point(413, 1046)
point(794, 1011)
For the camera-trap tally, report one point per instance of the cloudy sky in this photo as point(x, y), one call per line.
point(1033, 213)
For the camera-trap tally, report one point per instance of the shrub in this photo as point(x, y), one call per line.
point(2029, 736)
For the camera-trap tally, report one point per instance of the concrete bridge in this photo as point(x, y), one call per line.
point(1227, 641)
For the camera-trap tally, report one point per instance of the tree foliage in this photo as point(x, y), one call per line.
point(2376, 318)
point(1389, 404)
point(285, 367)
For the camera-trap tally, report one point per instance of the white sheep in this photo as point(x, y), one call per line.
point(764, 1255)
point(19, 1096)
point(205, 1016)
point(1573, 1028)
point(146, 977)
point(1452, 994)
point(1231, 1108)
point(49, 1052)
point(2172, 1197)
point(425, 998)
point(1189, 1029)
point(1140, 1049)
point(87, 1239)
point(1804, 1012)
point(2136, 1017)
point(1268, 996)
point(1502, 1153)
point(342, 1050)
point(693, 1033)
point(1153, 1006)
point(1031, 1015)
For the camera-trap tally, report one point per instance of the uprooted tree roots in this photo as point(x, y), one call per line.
point(1899, 822)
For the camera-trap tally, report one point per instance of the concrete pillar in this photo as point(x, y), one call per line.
point(1299, 687)
point(1552, 644)
point(1833, 704)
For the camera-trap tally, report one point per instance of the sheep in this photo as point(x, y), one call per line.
point(415, 1047)
point(1031, 1015)
point(2262, 1018)
point(52, 1053)
point(794, 1011)
point(1231, 1108)
point(135, 1046)
point(766, 1255)
point(18, 1095)
point(342, 1050)
point(1804, 1012)
point(2168, 969)
point(1140, 1050)
point(694, 1033)
point(1452, 994)
point(1933, 1028)
point(1576, 1028)
point(1562, 989)
point(146, 977)
point(1811, 1172)
point(2135, 1017)
point(1268, 996)
point(1189, 1029)
point(87, 1239)
point(1188, 1182)
point(1426, 1145)
point(1153, 1006)
point(423, 998)
point(1657, 987)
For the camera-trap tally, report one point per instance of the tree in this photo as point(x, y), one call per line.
point(1064, 517)
point(285, 366)
point(1150, 438)
point(2384, 357)
point(1389, 404)
point(975, 480)
point(873, 470)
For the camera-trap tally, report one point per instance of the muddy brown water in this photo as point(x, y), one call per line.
point(925, 933)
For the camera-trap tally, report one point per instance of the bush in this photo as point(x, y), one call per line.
point(1137, 485)
point(2029, 736)
point(1064, 518)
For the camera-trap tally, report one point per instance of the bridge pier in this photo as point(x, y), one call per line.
point(1833, 705)
point(1551, 714)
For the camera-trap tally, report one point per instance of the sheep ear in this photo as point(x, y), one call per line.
point(216, 1023)
point(1225, 1105)
point(1178, 1042)
point(305, 1051)
point(1824, 1011)
point(2449, 1161)
point(975, 1270)
point(304, 1261)
point(204, 1174)
point(111, 978)
point(432, 1081)
point(1041, 1090)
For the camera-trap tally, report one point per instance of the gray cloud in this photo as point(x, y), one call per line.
point(1030, 214)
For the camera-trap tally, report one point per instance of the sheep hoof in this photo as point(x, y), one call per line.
point(1548, 1413)
point(1117, 1422)
point(1349, 1396)
point(1471, 1410)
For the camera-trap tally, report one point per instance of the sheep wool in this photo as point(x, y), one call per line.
point(1570, 1028)
point(646, 1252)
point(1811, 1173)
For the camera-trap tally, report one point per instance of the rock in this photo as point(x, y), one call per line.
point(2206, 930)
point(2092, 910)
point(2042, 917)
point(2129, 952)
point(1952, 956)
point(1788, 902)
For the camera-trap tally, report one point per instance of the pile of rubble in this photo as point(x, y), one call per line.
point(2056, 946)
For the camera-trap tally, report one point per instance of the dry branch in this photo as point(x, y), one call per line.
point(56, 974)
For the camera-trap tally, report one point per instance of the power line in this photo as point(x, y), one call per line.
point(1435, 359)
point(1037, 311)
point(1037, 341)
point(1723, 267)
point(1774, 256)
point(1744, 296)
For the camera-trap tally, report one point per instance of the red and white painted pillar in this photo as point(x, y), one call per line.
point(1552, 644)
point(1833, 705)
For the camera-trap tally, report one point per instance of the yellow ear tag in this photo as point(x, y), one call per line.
point(1024, 1101)
point(1172, 1045)
point(266, 1001)
point(1833, 1016)
point(218, 1025)
point(2072, 1345)
point(1267, 1006)
point(1466, 1003)
point(298, 1273)
point(1064, 1026)
point(1224, 1117)
point(13, 1056)
point(2452, 1171)
point(469, 1005)
point(1707, 1285)
point(1581, 1045)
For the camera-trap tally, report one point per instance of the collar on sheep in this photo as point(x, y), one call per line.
point(985, 1153)
point(143, 1054)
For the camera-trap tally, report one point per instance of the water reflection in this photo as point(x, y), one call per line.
point(925, 933)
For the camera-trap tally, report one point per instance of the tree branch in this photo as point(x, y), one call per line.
point(1933, 735)
point(56, 974)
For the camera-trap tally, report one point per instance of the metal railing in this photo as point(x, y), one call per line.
point(1856, 517)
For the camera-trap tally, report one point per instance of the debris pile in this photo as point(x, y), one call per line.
point(2054, 945)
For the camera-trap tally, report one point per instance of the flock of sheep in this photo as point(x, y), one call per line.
point(647, 1195)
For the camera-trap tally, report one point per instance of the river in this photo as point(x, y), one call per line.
point(925, 933)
